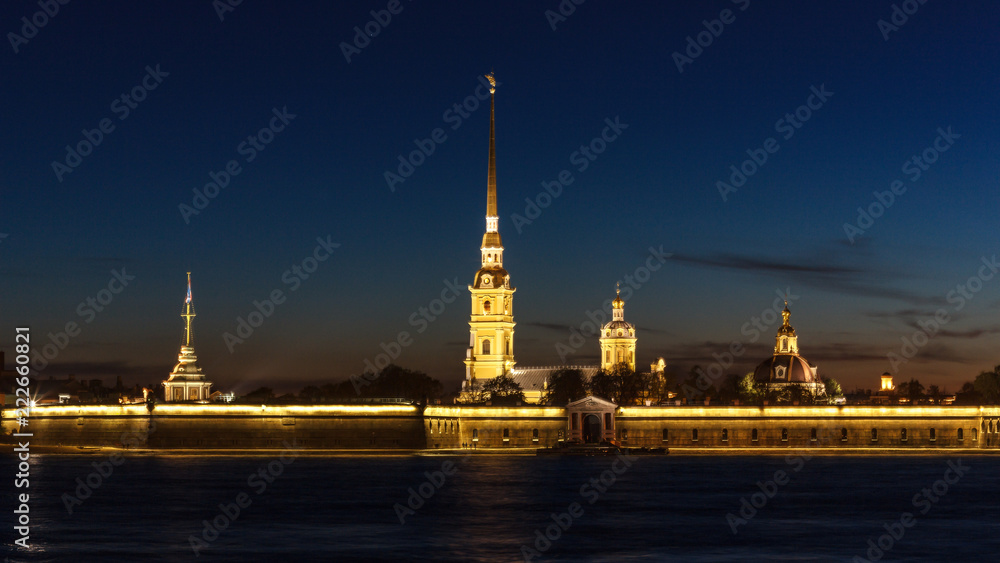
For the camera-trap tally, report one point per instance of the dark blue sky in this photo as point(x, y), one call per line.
point(655, 185)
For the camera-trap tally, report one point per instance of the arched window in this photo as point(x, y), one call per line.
point(961, 434)
point(665, 434)
point(753, 435)
point(486, 346)
point(694, 435)
point(812, 435)
point(607, 356)
point(874, 434)
point(725, 434)
point(475, 434)
point(975, 434)
point(843, 434)
point(784, 434)
point(902, 435)
point(933, 434)
point(486, 307)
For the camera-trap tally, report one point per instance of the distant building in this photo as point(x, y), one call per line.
point(187, 382)
point(786, 367)
point(617, 338)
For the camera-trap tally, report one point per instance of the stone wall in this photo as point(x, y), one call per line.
point(494, 427)
point(171, 426)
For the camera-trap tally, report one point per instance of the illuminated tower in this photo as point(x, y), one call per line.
point(491, 326)
point(186, 381)
point(617, 338)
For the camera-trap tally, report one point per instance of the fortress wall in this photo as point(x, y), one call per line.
point(405, 427)
point(488, 425)
point(227, 426)
point(81, 425)
point(785, 427)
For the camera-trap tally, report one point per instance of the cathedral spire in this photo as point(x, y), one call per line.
point(188, 315)
point(187, 382)
point(491, 180)
point(492, 248)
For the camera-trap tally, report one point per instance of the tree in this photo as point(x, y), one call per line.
point(800, 393)
point(311, 394)
point(622, 385)
point(912, 389)
point(987, 385)
point(261, 395)
point(565, 386)
point(934, 392)
point(603, 385)
point(503, 390)
point(967, 395)
point(749, 390)
point(833, 389)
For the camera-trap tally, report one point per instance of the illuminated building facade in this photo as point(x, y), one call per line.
point(187, 382)
point(617, 338)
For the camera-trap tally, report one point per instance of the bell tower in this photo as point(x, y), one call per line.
point(491, 325)
point(617, 337)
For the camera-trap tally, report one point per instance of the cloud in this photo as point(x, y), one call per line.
point(824, 269)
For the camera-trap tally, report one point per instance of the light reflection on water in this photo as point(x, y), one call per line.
point(661, 508)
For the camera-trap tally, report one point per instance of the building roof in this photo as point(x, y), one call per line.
point(536, 378)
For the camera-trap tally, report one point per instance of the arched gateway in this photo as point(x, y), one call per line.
point(590, 420)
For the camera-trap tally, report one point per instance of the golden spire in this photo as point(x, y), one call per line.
point(491, 181)
point(188, 314)
point(618, 303)
point(492, 247)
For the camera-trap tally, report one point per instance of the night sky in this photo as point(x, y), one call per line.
point(211, 84)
